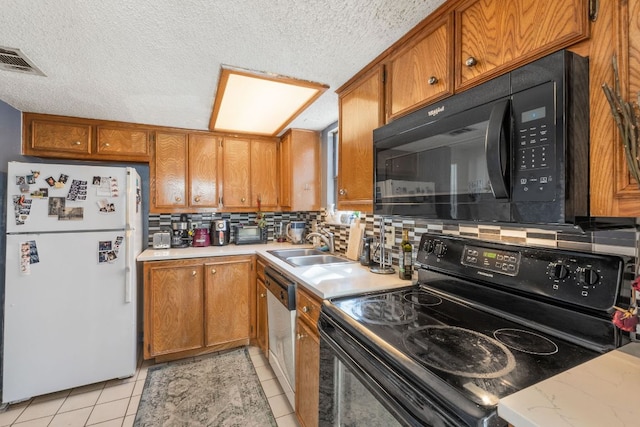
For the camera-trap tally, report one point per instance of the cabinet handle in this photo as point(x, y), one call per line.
point(194, 273)
point(178, 199)
point(301, 336)
point(243, 199)
point(196, 199)
point(107, 144)
point(213, 271)
point(432, 80)
point(262, 295)
point(305, 309)
point(77, 143)
point(342, 192)
point(471, 61)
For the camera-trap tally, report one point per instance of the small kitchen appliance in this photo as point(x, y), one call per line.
point(484, 320)
point(248, 234)
point(162, 240)
point(220, 232)
point(367, 250)
point(180, 233)
point(201, 237)
point(295, 232)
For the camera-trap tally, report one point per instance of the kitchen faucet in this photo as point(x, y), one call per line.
point(327, 237)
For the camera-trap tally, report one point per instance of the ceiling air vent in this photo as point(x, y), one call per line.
point(12, 59)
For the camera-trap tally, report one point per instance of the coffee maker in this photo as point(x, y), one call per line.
point(180, 237)
point(220, 232)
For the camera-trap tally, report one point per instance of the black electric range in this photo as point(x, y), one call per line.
point(483, 321)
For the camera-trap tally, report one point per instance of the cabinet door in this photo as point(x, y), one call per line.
point(422, 71)
point(361, 111)
point(61, 137)
point(174, 310)
point(305, 170)
point(227, 300)
point(122, 141)
point(307, 374)
point(492, 36)
point(285, 167)
point(203, 171)
point(169, 172)
point(264, 173)
point(236, 181)
point(614, 193)
point(262, 326)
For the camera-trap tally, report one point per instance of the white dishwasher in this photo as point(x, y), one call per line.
point(281, 311)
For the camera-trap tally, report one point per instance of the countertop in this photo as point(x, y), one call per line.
point(325, 281)
point(600, 392)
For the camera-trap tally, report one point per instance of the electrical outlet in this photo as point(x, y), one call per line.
point(389, 236)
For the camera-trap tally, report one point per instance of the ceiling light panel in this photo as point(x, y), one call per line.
point(259, 104)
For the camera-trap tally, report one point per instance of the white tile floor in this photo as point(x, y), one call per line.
point(114, 403)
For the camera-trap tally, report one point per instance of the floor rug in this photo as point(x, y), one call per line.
point(222, 389)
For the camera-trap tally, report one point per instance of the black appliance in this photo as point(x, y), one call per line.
point(220, 232)
point(249, 234)
point(483, 321)
point(513, 149)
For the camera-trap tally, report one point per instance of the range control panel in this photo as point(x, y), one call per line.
point(499, 261)
point(585, 279)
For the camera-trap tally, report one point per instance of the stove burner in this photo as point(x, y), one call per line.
point(422, 299)
point(381, 311)
point(460, 351)
point(526, 342)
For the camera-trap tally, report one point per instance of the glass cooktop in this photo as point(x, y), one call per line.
point(483, 356)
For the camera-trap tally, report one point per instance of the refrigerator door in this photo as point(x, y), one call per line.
point(69, 319)
point(44, 197)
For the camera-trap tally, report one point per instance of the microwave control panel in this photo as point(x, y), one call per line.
point(534, 144)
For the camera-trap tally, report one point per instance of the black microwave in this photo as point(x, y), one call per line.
point(514, 149)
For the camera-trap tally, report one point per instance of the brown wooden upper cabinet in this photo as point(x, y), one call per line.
point(421, 70)
point(493, 36)
point(361, 108)
point(249, 173)
point(84, 139)
point(184, 172)
point(114, 140)
point(300, 170)
point(616, 31)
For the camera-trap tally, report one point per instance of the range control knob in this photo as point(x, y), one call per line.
point(440, 248)
point(558, 271)
point(587, 276)
point(427, 246)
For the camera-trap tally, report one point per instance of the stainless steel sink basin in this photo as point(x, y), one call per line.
point(306, 257)
point(303, 261)
point(287, 253)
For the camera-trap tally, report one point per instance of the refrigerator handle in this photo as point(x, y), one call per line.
point(127, 269)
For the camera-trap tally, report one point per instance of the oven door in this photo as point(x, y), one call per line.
point(359, 389)
point(455, 167)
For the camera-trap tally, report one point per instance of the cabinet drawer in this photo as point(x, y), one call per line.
point(308, 307)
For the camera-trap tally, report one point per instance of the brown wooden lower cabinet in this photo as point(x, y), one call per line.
point(197, 305)
point(307, 358)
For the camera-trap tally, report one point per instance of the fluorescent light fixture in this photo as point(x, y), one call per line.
point(259, 103)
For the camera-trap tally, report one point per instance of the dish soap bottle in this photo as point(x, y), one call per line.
point(406, 257)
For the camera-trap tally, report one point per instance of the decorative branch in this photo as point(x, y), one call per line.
point(627, 117)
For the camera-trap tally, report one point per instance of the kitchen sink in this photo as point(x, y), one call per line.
point(303, 261)
point(287, 253)
point(307, 257)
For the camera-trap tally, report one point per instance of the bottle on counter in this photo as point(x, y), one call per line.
point(406, 257)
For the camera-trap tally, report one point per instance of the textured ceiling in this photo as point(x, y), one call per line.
point(157, 61)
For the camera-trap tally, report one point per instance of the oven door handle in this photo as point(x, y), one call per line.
point(496, 148)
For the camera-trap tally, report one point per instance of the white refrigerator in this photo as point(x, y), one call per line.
point(73, 234)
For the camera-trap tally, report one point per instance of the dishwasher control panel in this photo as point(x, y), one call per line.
point(282, 287)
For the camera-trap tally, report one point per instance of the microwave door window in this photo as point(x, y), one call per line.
point(439, 172)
